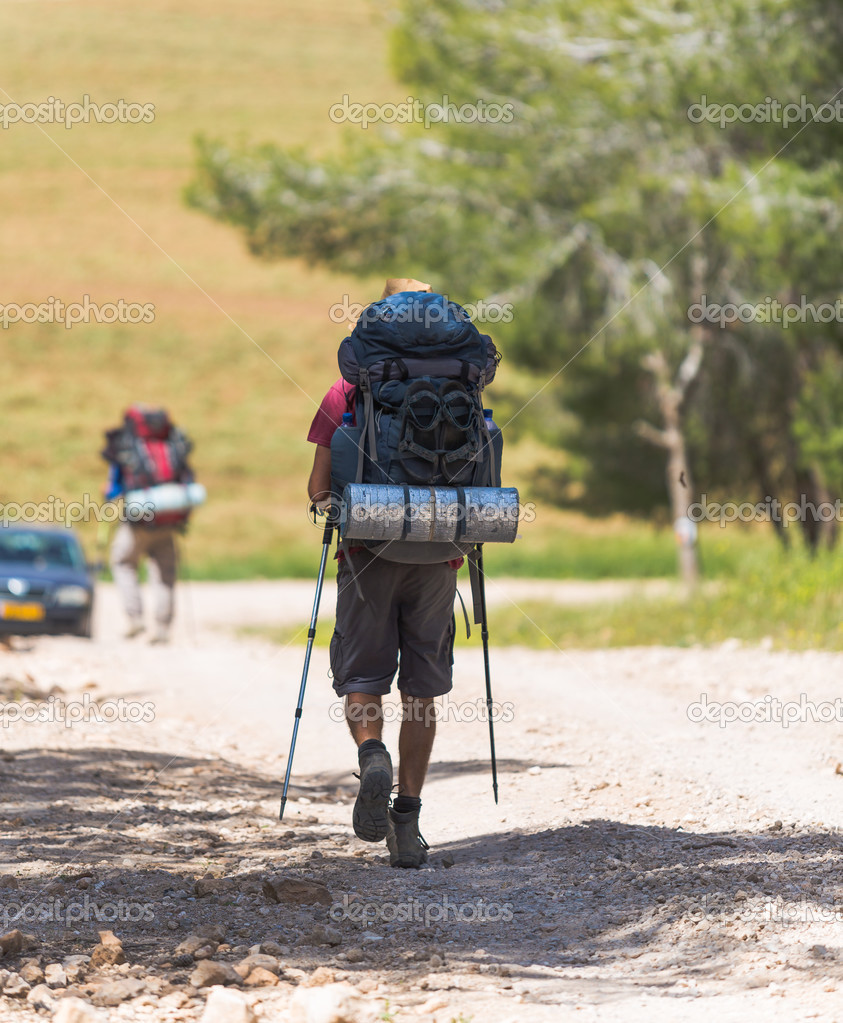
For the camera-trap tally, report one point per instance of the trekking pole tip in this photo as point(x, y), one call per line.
point(284, 804)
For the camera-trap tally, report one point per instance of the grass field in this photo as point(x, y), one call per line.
point(240, 351)
point(785, 601)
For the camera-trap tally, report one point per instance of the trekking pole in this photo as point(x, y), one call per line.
point(478, 581)
point(327, 537)
point(182, 569)
point(104, 530)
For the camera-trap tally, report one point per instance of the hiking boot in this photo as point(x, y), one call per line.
point(134, 628)
point(370, 810)
point(406, 846)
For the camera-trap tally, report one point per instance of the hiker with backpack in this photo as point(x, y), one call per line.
point(148, 467)
point(406, 411)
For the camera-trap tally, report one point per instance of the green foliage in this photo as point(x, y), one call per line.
point(818, 424)
point(792, 600)
point(388, 1015)
point(602, 210)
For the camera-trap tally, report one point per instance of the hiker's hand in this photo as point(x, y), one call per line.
point(321, 507)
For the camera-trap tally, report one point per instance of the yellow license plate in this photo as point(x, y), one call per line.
point(22, 612)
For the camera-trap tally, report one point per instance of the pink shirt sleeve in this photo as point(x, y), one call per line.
point(328, 419)
point(339, 399)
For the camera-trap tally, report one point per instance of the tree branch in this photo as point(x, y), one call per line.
point(652, 434)
point(690, 366)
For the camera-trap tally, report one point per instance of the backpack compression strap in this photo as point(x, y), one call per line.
point(368, 434)
point(474, 578)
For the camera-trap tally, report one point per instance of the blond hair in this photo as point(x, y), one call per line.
point(395, 284)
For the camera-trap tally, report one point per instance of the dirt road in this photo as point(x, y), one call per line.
point(641, 864)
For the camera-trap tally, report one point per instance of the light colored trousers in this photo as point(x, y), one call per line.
point(158, 546)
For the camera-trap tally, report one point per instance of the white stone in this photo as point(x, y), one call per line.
point(75, 1010)
point(333, 1003)
point(227, 1006)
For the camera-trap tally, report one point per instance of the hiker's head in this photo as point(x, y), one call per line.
point(394, 285)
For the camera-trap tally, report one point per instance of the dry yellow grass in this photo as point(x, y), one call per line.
point(240, 351)
point(97, 210)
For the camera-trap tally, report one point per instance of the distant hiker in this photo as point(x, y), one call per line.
point(407, 410)
point(148, 463)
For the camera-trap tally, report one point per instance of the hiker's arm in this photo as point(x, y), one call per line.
point(319, 484)
point(114, 487)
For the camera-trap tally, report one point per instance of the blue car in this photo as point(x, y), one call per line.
point(46, 585)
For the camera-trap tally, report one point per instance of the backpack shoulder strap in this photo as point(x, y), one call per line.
point(350, 395)
point(115, 445)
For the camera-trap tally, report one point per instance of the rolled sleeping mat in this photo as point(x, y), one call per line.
point(429, 514)
point(166, 497)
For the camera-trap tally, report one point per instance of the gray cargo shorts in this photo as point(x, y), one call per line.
point(405, 622)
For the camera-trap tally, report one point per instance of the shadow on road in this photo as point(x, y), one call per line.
point(97, 832)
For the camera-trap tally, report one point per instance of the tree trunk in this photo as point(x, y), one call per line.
point(670, 394)
point(764, 479)
point(679, 489)
point(820, 532)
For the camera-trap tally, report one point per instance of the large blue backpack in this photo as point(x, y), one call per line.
point(419, 366)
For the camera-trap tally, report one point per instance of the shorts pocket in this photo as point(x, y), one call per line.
point(336, 657)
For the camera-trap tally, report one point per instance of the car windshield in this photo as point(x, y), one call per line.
point(40, 550)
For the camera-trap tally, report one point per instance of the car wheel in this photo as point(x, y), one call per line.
point(84, 627)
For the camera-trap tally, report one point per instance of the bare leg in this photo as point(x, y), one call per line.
point(364, 716)
point(415, 741)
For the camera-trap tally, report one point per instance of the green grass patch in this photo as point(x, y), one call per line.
point(291, 635)
point(294, 562)
point(631, 550)
point(566, 548)
point(789, 597)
